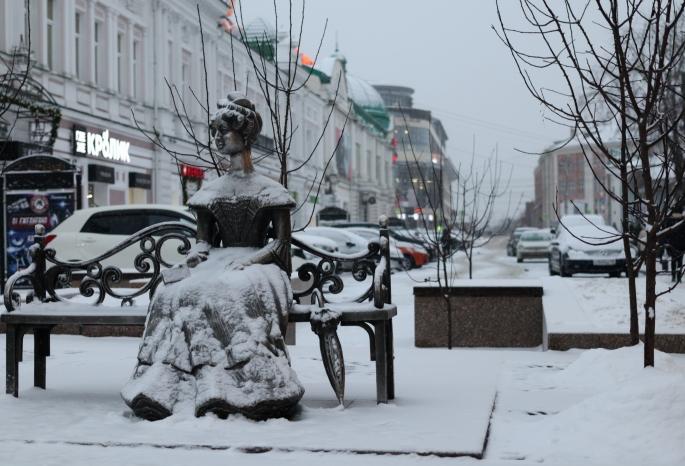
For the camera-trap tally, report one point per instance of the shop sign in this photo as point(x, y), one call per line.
point(139, 180)
point(100, 145)
point(100, 174)
point(189, 171)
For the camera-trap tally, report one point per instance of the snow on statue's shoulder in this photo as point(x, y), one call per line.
point(237, 186)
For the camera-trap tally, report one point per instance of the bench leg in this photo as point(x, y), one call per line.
point(13, 344)
point(390, 353)
point(20, 349)
point(381, 362)
point(41, 345)
point(369, 331)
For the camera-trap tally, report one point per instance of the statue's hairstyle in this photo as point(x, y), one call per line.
point(237, 113)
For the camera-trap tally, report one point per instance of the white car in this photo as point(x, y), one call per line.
point(347, 242)
point(301, 257)
point(89, 233)
point(570, 252)
point(578, 220)
point(533, 244)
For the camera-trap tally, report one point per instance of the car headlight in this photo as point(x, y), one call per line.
point(574, 253)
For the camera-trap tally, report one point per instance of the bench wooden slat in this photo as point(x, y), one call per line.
point(351, 312)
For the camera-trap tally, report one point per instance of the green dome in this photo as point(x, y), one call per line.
point(367, 99)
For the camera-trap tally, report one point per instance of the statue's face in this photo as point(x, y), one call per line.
point(230, 142)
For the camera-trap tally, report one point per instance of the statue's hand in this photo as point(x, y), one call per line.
point(197, 254)
point(237, 265)
point(195, 258)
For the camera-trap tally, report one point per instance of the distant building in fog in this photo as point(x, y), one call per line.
point(420, 152)
point(564, 178)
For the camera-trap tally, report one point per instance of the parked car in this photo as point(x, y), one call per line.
point(402, 254)
point(301, 257)
point(577, 220)
point(400, 234)
point(91, 232)
point(570, 253)
point(514, 239)
point(533, 244)
point(346, 241)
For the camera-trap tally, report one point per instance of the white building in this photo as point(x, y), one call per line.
point(105, 61)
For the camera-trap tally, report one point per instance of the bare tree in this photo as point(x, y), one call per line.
point(22, 101)
point(614, 60)
point(279, 79)
point(478, 190)
point(466, 222)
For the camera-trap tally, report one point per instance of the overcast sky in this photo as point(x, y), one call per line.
point(447, 51)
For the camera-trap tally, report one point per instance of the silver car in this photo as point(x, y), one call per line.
point(533, 245)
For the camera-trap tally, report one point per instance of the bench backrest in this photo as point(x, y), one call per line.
point(47, 273)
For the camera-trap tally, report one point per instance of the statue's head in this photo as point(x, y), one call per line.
point(235, 125)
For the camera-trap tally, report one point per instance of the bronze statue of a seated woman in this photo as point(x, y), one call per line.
point(215, 339)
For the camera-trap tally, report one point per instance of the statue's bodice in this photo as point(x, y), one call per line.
point(242, 223)
point(242, 206)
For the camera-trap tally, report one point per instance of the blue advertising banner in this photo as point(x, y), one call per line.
point(26, 210)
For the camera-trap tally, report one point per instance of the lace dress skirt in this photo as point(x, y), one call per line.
point(215, 340)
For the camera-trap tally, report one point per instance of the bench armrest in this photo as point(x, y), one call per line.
point(323, 276)
point(47, 272)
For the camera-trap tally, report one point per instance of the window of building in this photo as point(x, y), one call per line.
point(137, 78)
point(120, 62)
point(186, 76)
point(170, 61)
point(413, 138)
point(50, 33)
point(370, 165)
point(169, 70)
point(97, 51)
point(77, 44)
point(379, 171)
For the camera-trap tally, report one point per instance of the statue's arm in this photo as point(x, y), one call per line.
point(277, 251)
point(205, 232)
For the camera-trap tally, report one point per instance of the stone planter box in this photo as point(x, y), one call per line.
point(490, 315)
point(666, 342)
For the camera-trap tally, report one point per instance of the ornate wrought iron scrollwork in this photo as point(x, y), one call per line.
point(323, 275)
point(98, 280)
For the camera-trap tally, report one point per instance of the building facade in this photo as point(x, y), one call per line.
point(423, 172)
point(566, 184)
point(112, 68)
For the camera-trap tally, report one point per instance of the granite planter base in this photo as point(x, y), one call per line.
point(666, 342)
point(482, 316)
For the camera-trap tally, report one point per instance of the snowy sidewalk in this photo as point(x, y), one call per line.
point(594, 407)
point(443, 404)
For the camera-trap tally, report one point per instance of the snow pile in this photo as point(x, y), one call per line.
point(601, 369)
point(635, 418)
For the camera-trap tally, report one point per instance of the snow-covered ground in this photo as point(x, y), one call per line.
point(577, 407)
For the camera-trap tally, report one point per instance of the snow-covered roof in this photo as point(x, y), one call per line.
point(260, 29)
point(326, 65)
point(363, 93)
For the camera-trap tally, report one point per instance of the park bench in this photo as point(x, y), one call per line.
point(52, 300)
